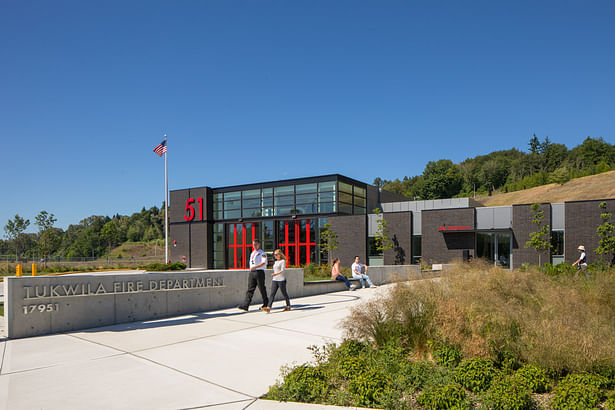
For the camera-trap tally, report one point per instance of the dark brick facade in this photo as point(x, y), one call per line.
point(191, 240)
point(351, 237)
point(446, 246)
point(581, 221)
point(522, 227)
point(179, 242)
point(399, 226)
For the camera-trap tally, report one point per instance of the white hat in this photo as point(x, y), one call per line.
point(581, 248)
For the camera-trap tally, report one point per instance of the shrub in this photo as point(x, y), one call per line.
point(368, 386)
point(163, 267)
point(448, 396)
point(348, 359)
point(447, 355)
point(302, 383)
point(588, 379)
point(476, 374)
point(610, 401)
point(577, 392)
point(534, 378)
point(508, 393)
point(559, 269)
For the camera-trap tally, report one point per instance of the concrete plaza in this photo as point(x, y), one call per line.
point(223, 359)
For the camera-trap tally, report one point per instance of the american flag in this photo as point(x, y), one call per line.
point(161, 148)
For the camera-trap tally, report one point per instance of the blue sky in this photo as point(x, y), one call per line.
point(252, 91)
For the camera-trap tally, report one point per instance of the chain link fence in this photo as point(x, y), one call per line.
point(8, 263)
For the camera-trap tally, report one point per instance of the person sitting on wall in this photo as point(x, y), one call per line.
point(336, 274)
point(582, 261)
point(357, 273)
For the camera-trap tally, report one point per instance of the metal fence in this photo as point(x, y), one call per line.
point(9, 263)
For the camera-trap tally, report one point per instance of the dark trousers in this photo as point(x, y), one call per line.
point(275, 284)
point(256, 277)
point(343, 279)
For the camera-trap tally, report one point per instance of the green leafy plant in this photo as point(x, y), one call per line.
point(508, 393)
point(606, 233)
point(556, 270)
point(476, 374)
point(534, 378)
point(578, 391)
point(369, 386)
point(302, 383)
point(610, 401)
point(446, 355)
point(449, 396)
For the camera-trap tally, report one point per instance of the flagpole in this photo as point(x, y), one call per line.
point(166, 204)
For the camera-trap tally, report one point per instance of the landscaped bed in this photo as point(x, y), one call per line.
point(480, 336)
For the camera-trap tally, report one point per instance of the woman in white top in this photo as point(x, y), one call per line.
point(278, 280)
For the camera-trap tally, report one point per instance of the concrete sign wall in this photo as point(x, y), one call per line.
point(49, 304)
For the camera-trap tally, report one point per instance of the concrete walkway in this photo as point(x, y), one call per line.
point(223, 359)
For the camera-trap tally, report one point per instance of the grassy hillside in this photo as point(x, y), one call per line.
point(153, 249)
point(599, 186)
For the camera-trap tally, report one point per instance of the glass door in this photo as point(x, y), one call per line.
point(495, 247)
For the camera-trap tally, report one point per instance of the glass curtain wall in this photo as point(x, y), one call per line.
point(232, 241)
point(495, 247)
point(298, 239)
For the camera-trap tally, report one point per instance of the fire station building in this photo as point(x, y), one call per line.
point(213, 228)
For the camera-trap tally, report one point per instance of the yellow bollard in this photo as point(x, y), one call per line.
point(18, 270)
point(34, 269)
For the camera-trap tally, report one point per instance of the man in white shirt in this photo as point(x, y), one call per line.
point(357, 273)
point(258, 264)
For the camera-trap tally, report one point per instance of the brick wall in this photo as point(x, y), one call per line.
point(399, 225)
point(351, 237)
point(522, 227)
point(446, 246)
point(192, 239)
point(581, 221)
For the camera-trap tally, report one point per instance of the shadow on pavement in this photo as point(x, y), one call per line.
point(202, 316)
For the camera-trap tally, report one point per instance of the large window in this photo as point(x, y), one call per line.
point(495, 247)
point(374, 256)
point(417, 249)
point(557, 252)
point(302, 199)
point(218, 242)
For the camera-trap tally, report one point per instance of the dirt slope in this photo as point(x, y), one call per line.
point(599, 186)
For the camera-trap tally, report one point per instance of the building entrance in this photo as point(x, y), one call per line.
point(297, 239)
point(495, 247)
point(240, 236)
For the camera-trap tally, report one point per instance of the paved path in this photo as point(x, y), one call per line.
point(223, 359)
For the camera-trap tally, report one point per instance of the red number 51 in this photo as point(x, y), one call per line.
point(190, 209)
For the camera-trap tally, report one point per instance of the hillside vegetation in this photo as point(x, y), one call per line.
point(599, 186)
point(507, 171)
